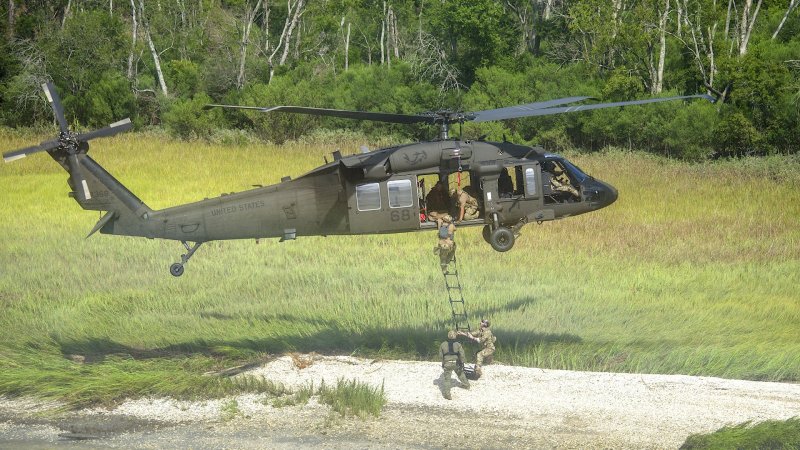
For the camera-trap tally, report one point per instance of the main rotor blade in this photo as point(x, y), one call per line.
point(55, 103)
point(511, 112)
point(347, 114)
point(21, 153)
point(114, 128)
point(569, 109)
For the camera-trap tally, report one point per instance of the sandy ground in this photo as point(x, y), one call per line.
point(509, 407)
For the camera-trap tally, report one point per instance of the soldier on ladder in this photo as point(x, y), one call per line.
point(446, 247)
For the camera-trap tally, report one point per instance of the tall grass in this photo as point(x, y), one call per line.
point(694, 270)
point(770, 434)
point(353, 398)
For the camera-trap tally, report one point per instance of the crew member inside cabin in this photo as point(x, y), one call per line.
point(436, 201)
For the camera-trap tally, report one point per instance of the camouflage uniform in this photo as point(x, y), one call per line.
point(487, 340)
point(469, 203)
point(452, 354)
point(560, 183)
point(446, 247)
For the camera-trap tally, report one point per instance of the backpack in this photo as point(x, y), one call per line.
point(444, 232)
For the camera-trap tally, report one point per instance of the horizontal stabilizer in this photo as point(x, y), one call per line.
point(101, 223)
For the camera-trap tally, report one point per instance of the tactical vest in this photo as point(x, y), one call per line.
point(451, 352)
point(444, 232)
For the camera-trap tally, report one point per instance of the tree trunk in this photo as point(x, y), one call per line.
point(134, 33)
point(792, 6)
point(662, 51)
point(111, 8)
point(265, 27)
point(747, 25)
point(66, 13)
point(298, 11)
point(396, 38)
point(153, 52)
point(713, 66)
point(249, 18)
point(383, 33)
point(347, 49)
point(11, 17)
point(292, 15)
point(728, 20)
point(280, 41)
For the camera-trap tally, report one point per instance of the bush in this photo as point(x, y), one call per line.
point(353, 398)
point(187, 118)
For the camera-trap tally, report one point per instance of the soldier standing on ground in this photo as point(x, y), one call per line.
point(446, 247)
point(452, 354)
point(486, 339)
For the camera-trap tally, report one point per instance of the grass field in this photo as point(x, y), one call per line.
point(694, 270)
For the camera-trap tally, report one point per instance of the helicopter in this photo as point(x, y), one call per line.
point(372, 192)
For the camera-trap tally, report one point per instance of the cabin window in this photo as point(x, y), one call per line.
point(530, 181)
point(368, 197)
point(400, 194)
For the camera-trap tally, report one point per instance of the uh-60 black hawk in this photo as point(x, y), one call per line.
point(372, 192)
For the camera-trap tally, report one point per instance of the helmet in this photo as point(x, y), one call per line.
point(451, 335)
point(447, 218)
point(485, 323)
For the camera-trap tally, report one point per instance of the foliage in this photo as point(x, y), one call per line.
point(772, 434)
point(353, 398)
point(187, 118)
point(409, 56)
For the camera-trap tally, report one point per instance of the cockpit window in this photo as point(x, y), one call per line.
point(576, 173)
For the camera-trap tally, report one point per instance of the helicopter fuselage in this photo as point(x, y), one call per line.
point(383, 191)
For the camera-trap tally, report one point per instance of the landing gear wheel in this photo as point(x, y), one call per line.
point(487, 234)
point(502, 239)
point(176, 269)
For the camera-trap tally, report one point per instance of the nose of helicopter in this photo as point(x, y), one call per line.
point(611, 194)
point(602, 194)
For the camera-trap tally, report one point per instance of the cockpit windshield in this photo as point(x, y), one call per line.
point(579, 175)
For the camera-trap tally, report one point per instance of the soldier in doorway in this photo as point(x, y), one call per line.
point(467, 204)
point(452, 354)
point(436, 201)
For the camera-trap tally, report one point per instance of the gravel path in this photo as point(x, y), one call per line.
point(509, 407)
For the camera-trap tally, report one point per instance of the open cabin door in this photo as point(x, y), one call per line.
point(519, 190)
point(383, 206)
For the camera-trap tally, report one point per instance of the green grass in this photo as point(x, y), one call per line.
point(694, 271)
point(353, 398)
point(771, 434)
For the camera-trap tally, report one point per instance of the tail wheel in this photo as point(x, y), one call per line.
point(176, 269)
point(501, 239)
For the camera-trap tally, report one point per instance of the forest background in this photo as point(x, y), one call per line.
point(160, 61)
